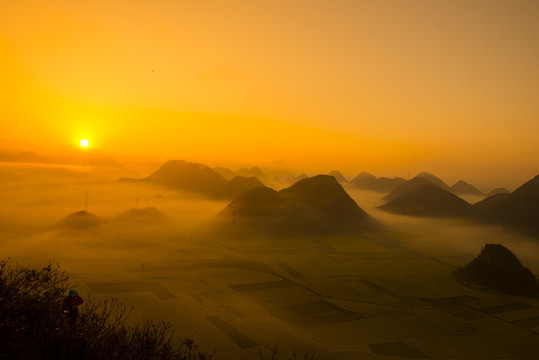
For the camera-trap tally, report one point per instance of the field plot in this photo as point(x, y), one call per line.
point(338, 297)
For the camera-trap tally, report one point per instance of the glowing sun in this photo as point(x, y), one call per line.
point(84, 143)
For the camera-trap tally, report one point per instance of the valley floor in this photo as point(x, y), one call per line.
point(349, 297)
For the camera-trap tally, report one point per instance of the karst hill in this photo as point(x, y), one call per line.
point(498, 268)
point(430, 201)
point(316, 205)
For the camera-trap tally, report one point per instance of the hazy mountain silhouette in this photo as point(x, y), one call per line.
point(462, 187)
point(224, 172)
point(498, 191)
point(431, 201)
point(498, 268)
point(407, 187)
point(146, 215)
point(389, 184)
point(88, 158)
point(254, 171)
point(316, 205)
point(434, 179)
point(519, 210)
point(82, 220)
point(78, 221)
point(238, 185)
point(368, 181)
point(300, 177)
point(26, 156)
point(364, 180)
point(186, 176)
point(338, 175)
point(199, 178)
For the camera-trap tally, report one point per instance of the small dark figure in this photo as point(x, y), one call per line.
point(70, 307)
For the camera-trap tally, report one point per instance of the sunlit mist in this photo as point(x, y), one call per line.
point(308, 174)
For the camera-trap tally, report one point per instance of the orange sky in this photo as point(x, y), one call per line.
point(382, 86)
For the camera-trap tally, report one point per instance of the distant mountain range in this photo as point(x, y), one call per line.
point(252, 172)
point(228, 174)
point(338, 176)
point(26, 156)
point(88, 158)
point(368, 181)
point(316, 205)
point(420, 197)
point(460, 187)
point(198, 178)
point(399, 186)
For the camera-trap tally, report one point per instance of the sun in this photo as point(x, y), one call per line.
point(84, 143)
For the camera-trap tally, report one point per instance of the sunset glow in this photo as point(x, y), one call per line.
point(262, 179)
point(388, 87)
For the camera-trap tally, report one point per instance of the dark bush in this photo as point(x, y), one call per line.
point(32, 325)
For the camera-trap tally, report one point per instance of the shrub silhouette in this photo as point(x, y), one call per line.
point(32, 325)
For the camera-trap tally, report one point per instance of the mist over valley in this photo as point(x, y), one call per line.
point(323, 266)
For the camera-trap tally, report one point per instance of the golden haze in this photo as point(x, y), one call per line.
point(383, 86)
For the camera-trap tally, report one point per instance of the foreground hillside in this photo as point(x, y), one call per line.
point(32, 325)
